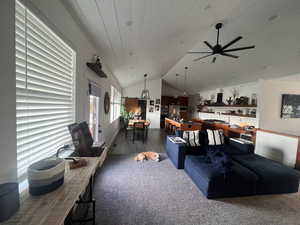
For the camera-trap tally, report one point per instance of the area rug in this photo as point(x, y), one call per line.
point(155, 193)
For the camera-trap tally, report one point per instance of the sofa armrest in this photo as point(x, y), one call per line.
point(176, 153)
point(243, 148)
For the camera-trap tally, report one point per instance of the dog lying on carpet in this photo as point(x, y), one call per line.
point(147, 156)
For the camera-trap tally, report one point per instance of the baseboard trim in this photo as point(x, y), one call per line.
point(111, 141)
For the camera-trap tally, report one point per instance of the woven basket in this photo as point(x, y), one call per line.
point(46, 175)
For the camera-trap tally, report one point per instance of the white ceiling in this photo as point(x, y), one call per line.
point(153, 36)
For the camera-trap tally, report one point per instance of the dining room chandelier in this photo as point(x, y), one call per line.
point(145, 92)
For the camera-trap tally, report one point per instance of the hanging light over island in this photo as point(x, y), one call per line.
point(145, 92)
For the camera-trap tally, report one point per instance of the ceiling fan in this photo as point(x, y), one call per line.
point(219, 49)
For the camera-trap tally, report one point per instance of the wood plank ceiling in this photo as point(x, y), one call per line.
point(152, 36)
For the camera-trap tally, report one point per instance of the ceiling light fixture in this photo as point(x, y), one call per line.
point(176, 84)
point(145, 92)
point(208, 6)
point(129, 23)
point(273, 17)
point(185, 77)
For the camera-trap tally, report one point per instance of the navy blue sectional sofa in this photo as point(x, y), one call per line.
point(249, 174)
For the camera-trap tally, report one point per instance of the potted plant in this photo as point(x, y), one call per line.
point(125, 116)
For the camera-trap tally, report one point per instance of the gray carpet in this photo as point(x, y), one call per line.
point(130, 193)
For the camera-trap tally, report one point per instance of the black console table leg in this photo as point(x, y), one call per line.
point(90, 200)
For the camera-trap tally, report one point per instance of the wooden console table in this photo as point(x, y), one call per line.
point(54, 207)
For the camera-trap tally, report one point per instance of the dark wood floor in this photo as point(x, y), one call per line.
point(155, 143)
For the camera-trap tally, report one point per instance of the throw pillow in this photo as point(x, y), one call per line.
point(191, 138)
point(215, 137)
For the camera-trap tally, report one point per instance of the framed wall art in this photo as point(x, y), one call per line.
point(290, 106)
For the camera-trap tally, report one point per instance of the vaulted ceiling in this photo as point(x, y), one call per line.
point(136, 37)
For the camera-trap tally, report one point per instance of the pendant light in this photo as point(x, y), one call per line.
point(176, 84)
point(185, 77)
point(145, 93)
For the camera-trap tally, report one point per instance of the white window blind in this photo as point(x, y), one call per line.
point(115, 104)
point(44, 89)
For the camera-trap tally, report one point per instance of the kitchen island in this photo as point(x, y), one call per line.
point(185, 125)
point(228, 131)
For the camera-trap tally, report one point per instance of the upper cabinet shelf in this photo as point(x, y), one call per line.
point(227, 106)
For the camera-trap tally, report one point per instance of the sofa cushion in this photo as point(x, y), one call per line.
point(274, 178)
point(240, 148)
point(238, 182)
point(195, 150)
point(219, 160)
point(179, 133)
point(227, 149)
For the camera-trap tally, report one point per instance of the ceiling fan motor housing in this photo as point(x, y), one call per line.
point(219, 26)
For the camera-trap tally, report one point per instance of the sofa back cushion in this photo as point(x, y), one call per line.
point(215, 137)
point(179, 133)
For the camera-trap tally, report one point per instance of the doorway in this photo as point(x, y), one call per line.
point(143, 108)
point(94, 117)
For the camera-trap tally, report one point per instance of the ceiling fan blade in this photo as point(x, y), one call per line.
point(199, 52)
point(201, 57)
point(238, 49)
point(214, 59)
point(229, 55)
point(209, 45)
point(232, 42)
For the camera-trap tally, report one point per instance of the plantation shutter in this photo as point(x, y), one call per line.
point(44, 90)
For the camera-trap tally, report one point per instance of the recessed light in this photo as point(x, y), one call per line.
point(207, 7)
point(131, 53)
point(129, 23)
point(273, 17)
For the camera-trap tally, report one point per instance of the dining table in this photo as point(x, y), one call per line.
point(132, 122)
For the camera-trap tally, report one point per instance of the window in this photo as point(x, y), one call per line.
point(115, 104)
point(44, 90)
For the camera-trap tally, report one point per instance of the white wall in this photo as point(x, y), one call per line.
point(280, 148)
point(168, 90)
point(269, 101)
point(8, 155)
point(193, 102)
point(154, 87)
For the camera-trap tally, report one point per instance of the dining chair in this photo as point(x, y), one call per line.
point(139, 128)
point(127, 128)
